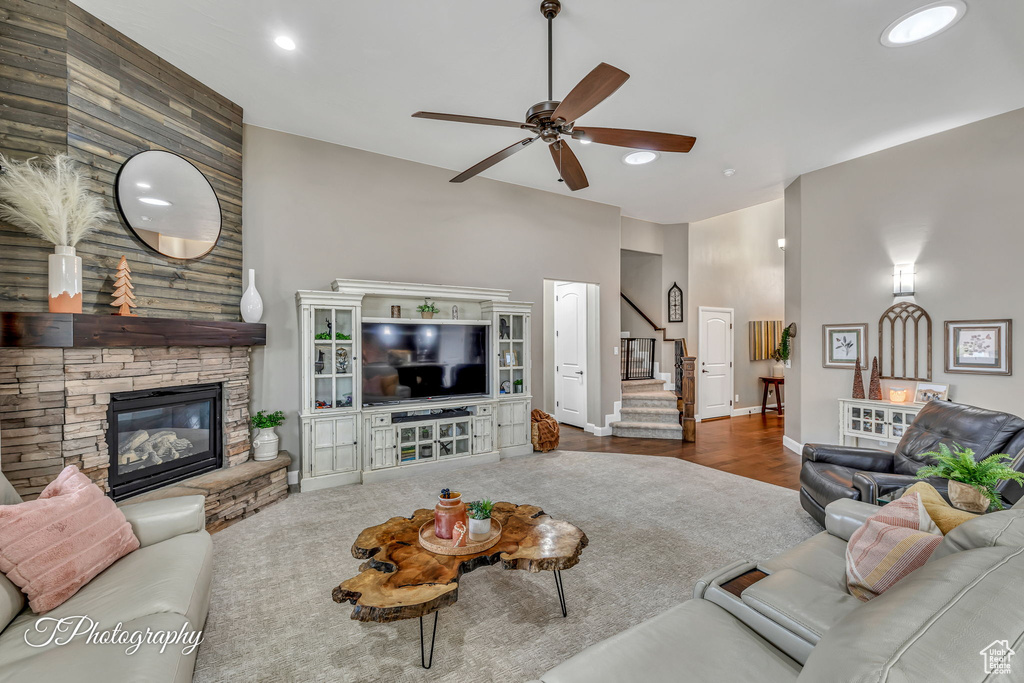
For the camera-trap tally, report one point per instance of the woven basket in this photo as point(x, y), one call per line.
point(535, 438)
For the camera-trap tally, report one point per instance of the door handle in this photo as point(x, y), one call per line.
point(579, 372)
point(703, 370)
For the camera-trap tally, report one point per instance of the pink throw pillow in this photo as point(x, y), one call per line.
point(52, 546)
point(893, 542)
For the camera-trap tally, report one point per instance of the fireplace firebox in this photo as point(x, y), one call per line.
point(160, 436)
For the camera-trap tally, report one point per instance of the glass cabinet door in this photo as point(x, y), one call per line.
point(333, 358)
point(512, 349)
point(899, 420)
point(453, 438)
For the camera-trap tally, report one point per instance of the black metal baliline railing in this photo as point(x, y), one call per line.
point(637, 358)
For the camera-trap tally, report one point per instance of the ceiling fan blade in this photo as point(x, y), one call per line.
point(591, 91)
point(491, 161)
point(458, 118)
point(637, 139)
point(568, 165)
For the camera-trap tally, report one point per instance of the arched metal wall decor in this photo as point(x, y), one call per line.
point(675, 304)
point(905, 313)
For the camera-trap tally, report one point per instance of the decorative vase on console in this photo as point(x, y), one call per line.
point(51, 200)
point(449, 511)
point(252, 302)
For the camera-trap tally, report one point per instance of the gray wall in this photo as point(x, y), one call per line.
point(735, 262)
point(641, 281)
point(954, 204)
point(315, 211)
point(803, 344)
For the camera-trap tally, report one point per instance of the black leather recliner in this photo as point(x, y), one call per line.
point(829, 472)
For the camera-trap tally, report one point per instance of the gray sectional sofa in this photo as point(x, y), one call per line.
point(800, 623)
point(162, 586)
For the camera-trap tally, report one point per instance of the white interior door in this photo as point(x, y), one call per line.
point(571, 353)
point(715, 360)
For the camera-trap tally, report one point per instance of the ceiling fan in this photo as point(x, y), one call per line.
point(551, 119)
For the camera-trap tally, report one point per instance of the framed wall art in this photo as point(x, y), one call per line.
point(842, 345)
point(765, 337)
point(979, 347)
point(675, 304)
point(928, 391)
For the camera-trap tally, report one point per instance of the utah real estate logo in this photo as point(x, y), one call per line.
point(997, 657)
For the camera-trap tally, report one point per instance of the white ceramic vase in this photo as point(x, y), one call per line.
point(265, 445)
point(479, 529)
point(252, 302)
point(779, 370)
point(65, 280)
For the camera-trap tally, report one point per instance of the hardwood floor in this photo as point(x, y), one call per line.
point(750, 446)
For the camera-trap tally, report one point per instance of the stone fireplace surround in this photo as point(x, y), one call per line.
point(54, 402)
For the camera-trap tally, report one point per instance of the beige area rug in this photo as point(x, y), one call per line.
point(655, 526)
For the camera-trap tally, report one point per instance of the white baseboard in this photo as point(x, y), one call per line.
point(608, 419)
point(597, 431)
point(293, 477)
point(751, 410)
point(792, 444)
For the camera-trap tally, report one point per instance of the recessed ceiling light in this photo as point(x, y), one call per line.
point(923, 23)
point(638, 157)
point(285, 43)
point(144, 186)
point(154, 201)
point(729, 172)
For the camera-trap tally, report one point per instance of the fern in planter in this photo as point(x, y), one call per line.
point(959, 465)
point(262, 420)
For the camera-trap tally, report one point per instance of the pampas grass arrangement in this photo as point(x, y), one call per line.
point(49, 199)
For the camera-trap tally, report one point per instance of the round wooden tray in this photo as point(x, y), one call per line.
point(443, 546)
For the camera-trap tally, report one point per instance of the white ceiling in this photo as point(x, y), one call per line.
point(772, 89)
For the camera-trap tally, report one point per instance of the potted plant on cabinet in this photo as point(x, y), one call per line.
point(480, 519)
point(517, 386)
point(781, 354)
point(427, 309)
point(971, 482)
point(265, 444)
point(52, 200)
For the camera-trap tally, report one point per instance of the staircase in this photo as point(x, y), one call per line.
point(648, 411)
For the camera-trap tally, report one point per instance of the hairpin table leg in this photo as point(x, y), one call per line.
point(423, 656)
point(561, 592)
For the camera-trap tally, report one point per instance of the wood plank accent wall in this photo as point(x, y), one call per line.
point(70, 83)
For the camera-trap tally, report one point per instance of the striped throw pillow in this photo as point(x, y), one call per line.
point(893, 542)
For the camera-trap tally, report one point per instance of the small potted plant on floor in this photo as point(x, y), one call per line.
point(265, 444)
point(480, 519)
point(971, 482)
point(427, 309)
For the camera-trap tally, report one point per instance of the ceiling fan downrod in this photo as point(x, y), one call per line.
point(550, 10)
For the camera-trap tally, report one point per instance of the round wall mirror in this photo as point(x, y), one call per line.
point(169, 204)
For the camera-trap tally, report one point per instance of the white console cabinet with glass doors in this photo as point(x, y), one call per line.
point(345, 442)
point(329, 326)
point(884, 422)
point(512, 379)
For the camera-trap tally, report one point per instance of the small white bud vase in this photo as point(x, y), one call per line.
point(265, 445)
point(252, 304)
point(65, 280)
point(479, 529)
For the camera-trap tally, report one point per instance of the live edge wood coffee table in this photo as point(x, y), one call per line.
point(402, 580)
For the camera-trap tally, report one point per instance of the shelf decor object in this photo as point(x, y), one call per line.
point(51, 200)
point(843, 345)
point(979, 347)
point(927, 391)
point(123, 296)
point(902, 324)
point(875, 389)
point(429, 540)
point(252, 302)
point(898, 395)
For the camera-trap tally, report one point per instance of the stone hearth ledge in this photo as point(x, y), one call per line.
point(232, 493)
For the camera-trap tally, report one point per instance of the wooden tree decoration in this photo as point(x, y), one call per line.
point(858, 379)
point(875, 390)
point(124, 297)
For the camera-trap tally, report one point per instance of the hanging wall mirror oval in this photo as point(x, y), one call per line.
point(169, 204)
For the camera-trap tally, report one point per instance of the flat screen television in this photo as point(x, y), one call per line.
point(405, 362)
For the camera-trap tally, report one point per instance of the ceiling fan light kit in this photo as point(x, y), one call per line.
point(552, 120)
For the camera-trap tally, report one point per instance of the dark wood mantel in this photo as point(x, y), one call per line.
point(80, 330)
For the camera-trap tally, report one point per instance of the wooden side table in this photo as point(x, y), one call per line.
point(776, 382)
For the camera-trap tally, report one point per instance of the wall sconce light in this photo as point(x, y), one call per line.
point(903, 279)
point(782, 243)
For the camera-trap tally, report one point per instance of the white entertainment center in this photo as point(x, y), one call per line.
point(349, 438)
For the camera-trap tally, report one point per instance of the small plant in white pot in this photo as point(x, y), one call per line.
point(265, 444)
point(51, 200)
point(479, 512)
